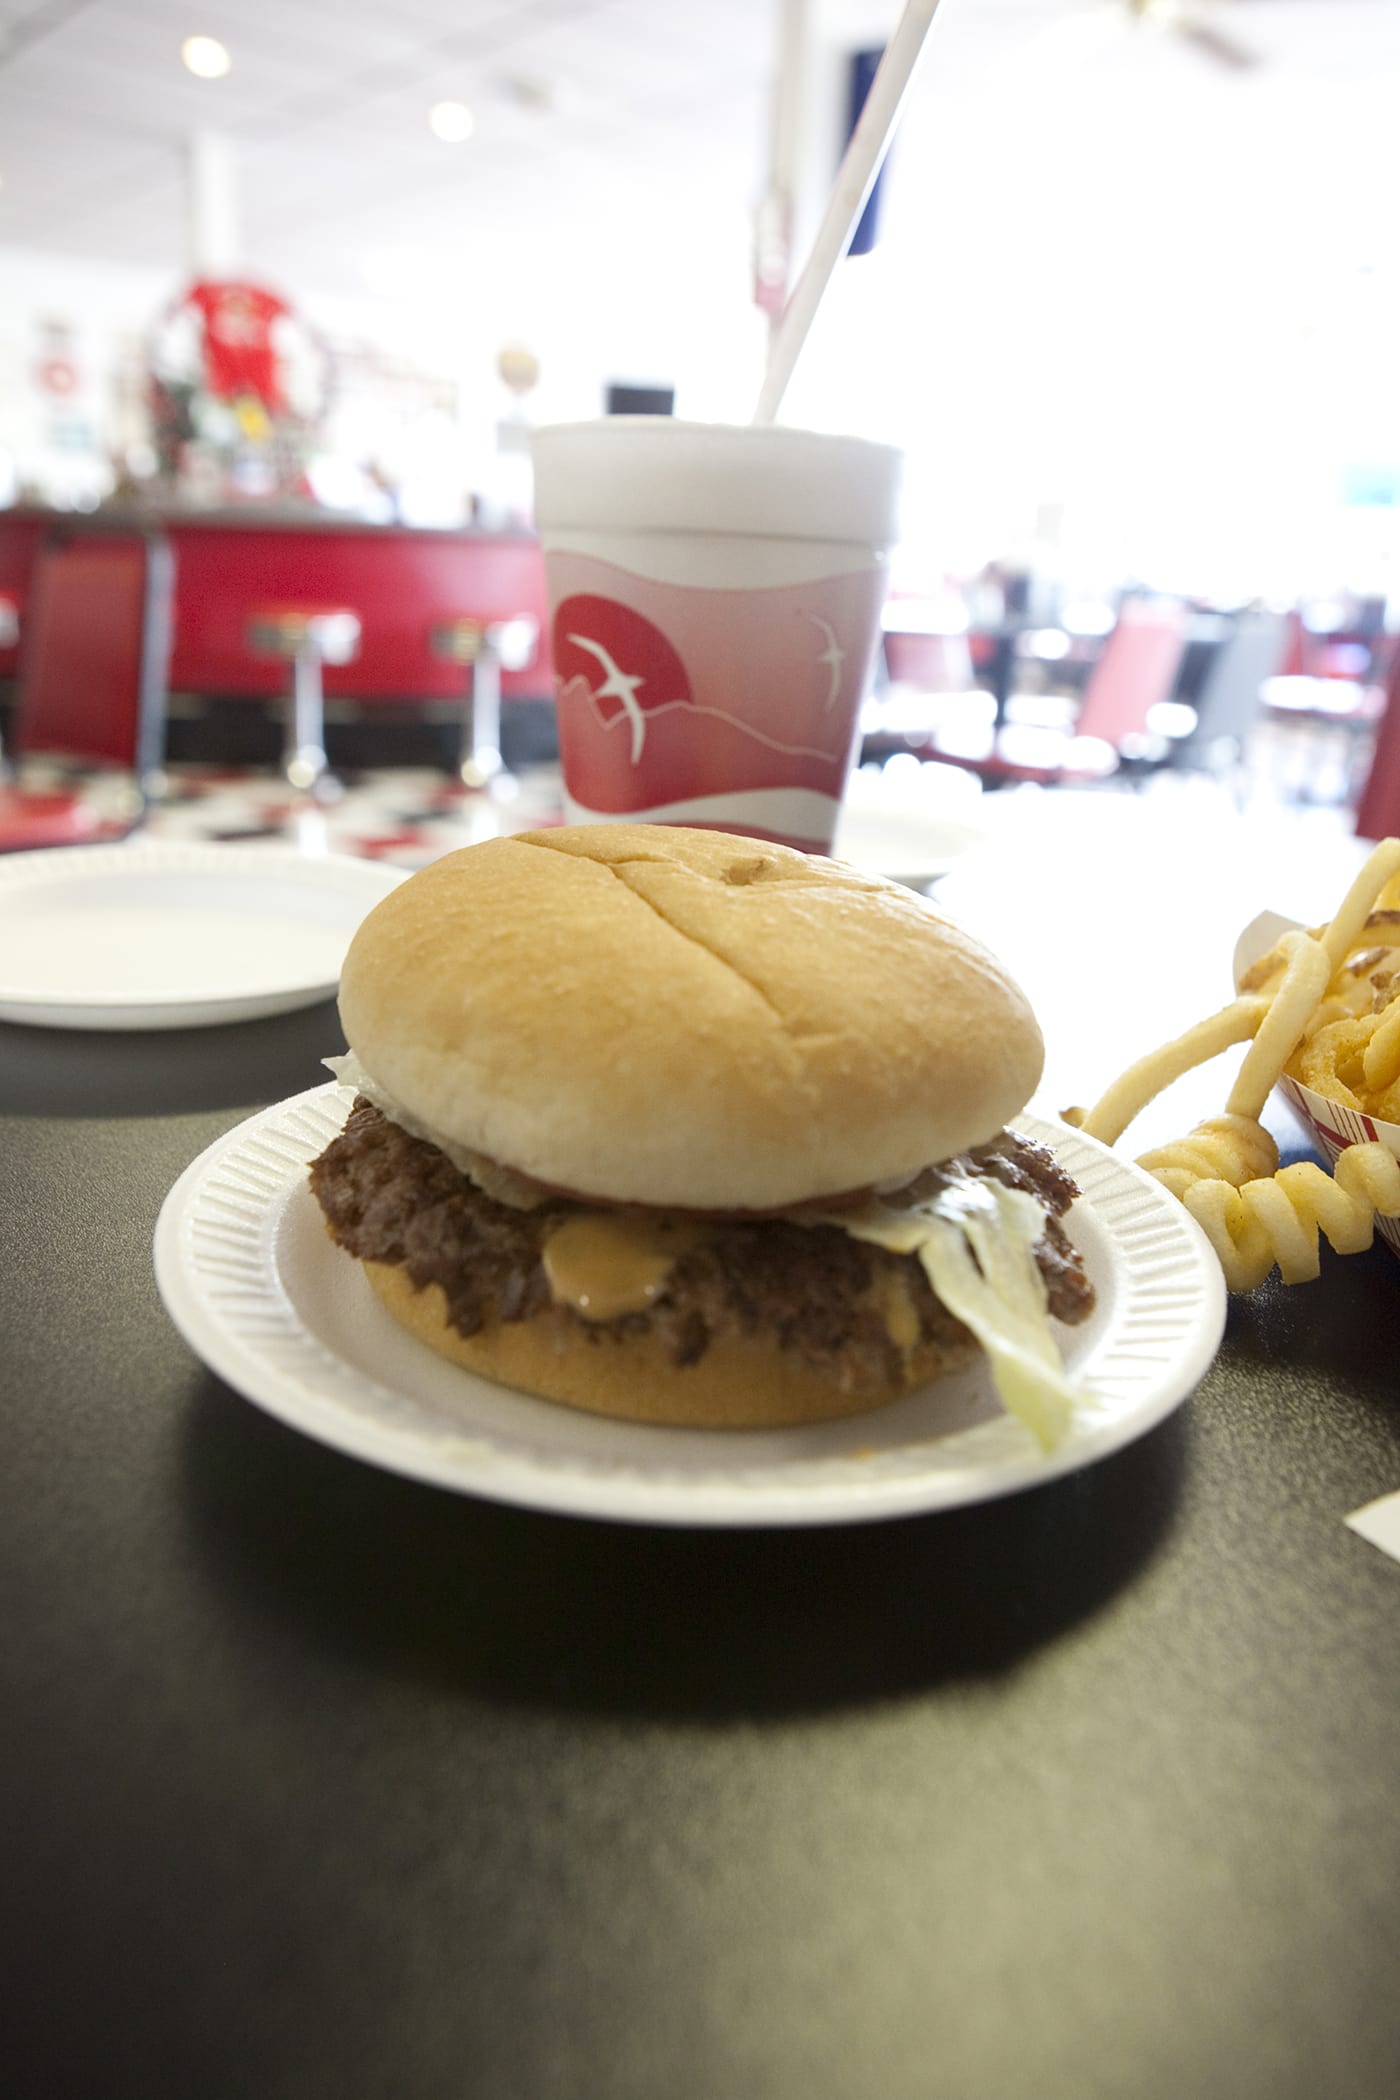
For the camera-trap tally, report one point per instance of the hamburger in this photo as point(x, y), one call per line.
point(696, 1129)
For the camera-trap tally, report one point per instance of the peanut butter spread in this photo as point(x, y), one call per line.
point(847, 1305)
point(607, 1263)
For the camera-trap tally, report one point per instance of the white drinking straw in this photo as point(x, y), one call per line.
point(855, 179)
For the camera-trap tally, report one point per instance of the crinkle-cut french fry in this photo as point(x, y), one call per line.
point(1230, 1149)
point(1303, 983)
point(1264, 972)
point(1143, 1081)
point(1242, 1246)
point(1335, 1008)
point(1348, 922)
point(1315, 1002)
point(1278, 1219)
point(1381, 1059)
point(1354, 1060)
point(1383, 926)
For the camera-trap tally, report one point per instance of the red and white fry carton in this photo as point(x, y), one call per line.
point(1333, 1125)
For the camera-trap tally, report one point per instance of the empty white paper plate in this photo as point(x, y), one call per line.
point(155, 934)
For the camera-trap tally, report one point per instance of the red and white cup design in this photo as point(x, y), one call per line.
point(705, 674)
point(735, 710)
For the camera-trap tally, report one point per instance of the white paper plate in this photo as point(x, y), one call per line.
point(256, 1287)
point(157, 934)
point(883, 828)
point(906, 848)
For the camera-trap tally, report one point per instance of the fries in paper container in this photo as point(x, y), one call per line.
point(1320, 1009)
point(1343, 1110)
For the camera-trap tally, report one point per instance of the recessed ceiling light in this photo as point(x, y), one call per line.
point(451, 121)
point(206, 57)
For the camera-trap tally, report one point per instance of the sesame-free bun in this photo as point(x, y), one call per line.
point(645, 1014)
point(741, 1382)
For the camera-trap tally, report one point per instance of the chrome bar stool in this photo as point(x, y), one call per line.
point(305, 636)
point(485, 648)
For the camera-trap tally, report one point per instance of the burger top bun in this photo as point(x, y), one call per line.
point(643, 1014)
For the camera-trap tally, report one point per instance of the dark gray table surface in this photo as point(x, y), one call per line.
point(322, 1785)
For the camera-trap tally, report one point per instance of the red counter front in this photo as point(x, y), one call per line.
point(20, 534)
point(400, 582)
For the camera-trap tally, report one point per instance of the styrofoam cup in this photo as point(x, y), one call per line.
point(715, 594)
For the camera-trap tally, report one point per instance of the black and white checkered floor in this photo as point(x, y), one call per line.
point(405, 817)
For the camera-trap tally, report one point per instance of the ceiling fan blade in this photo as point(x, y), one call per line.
point(1217, 44)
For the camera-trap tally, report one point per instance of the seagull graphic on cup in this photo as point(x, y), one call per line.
point(833, 656)
point(623, 686)
point(618, 685)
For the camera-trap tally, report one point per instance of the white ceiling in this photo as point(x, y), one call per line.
point(326, 107)
point(659, 115)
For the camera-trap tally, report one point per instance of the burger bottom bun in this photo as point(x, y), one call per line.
point(739, 1383)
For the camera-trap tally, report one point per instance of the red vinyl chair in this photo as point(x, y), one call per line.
point(22, 532)
point(929, 690)
point(1378, 809)
point(92, 685)
point(1136, 670)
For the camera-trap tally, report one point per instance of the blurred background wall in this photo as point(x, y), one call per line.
point(1134, 307)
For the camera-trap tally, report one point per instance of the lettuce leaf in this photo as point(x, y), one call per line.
point(976, 1241)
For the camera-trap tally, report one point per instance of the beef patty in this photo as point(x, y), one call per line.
point(392, 1198)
